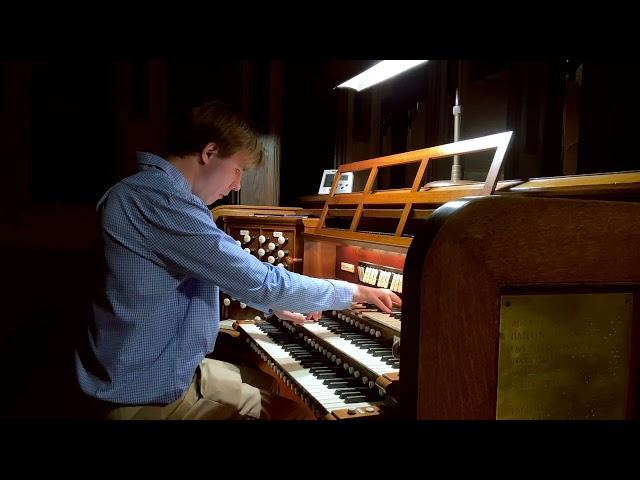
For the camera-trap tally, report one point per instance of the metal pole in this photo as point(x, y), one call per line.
point(456, 168)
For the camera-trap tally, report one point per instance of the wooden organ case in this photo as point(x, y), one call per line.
point(353, 356)
point(520, 298)
point(363, 237)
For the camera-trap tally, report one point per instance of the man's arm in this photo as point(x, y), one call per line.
point(383, 298)
point(185, 239)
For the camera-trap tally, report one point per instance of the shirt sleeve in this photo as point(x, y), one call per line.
point(184, 238)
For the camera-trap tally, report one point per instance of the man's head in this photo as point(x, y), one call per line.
point(218, 146)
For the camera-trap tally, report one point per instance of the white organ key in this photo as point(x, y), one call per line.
point(394, 282)
point(400, 284)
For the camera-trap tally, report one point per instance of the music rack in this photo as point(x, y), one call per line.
point(408, 198)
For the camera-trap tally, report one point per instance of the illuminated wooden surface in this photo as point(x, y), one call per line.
point(415, 195)
point(471, 253)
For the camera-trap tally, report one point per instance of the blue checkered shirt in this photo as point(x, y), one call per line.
point(165, 260)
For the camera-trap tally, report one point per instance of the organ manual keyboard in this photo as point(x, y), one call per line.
point(307, 364)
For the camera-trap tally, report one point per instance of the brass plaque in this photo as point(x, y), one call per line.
point(564, 356)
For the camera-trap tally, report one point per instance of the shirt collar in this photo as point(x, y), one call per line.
point(147, 160)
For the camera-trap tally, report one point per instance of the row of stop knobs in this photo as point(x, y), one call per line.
point(270, 247)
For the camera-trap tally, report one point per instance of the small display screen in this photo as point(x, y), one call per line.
point(328, 179)
point(344, 177)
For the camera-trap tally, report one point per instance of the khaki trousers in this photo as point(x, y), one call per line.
point(221, 391)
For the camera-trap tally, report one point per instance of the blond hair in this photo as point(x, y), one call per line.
point(215, 122)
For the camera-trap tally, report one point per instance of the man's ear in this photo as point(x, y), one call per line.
point(209, 152)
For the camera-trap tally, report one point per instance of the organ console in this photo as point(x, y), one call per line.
point(463, 258)
point(272, 234)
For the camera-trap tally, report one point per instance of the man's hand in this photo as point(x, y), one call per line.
point(383, 298)
point(298, 317)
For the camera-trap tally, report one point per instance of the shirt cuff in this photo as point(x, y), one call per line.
point(343, 293)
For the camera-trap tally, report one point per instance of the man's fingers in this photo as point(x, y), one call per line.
point(382, 305)
point(386, 299)
point(314, 316)
point(396, 299)
point(298, 317)
point(294, 317)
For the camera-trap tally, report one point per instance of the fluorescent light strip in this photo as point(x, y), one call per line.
point(379, 72)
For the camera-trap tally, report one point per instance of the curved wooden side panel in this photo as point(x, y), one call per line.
point(472, 251)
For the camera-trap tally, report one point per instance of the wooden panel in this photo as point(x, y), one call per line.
point(363, 238)
point(607, 185)
point(252, 210)
point(422, 213)
point(319, 258)
point(470, 252)
point(360, 240)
